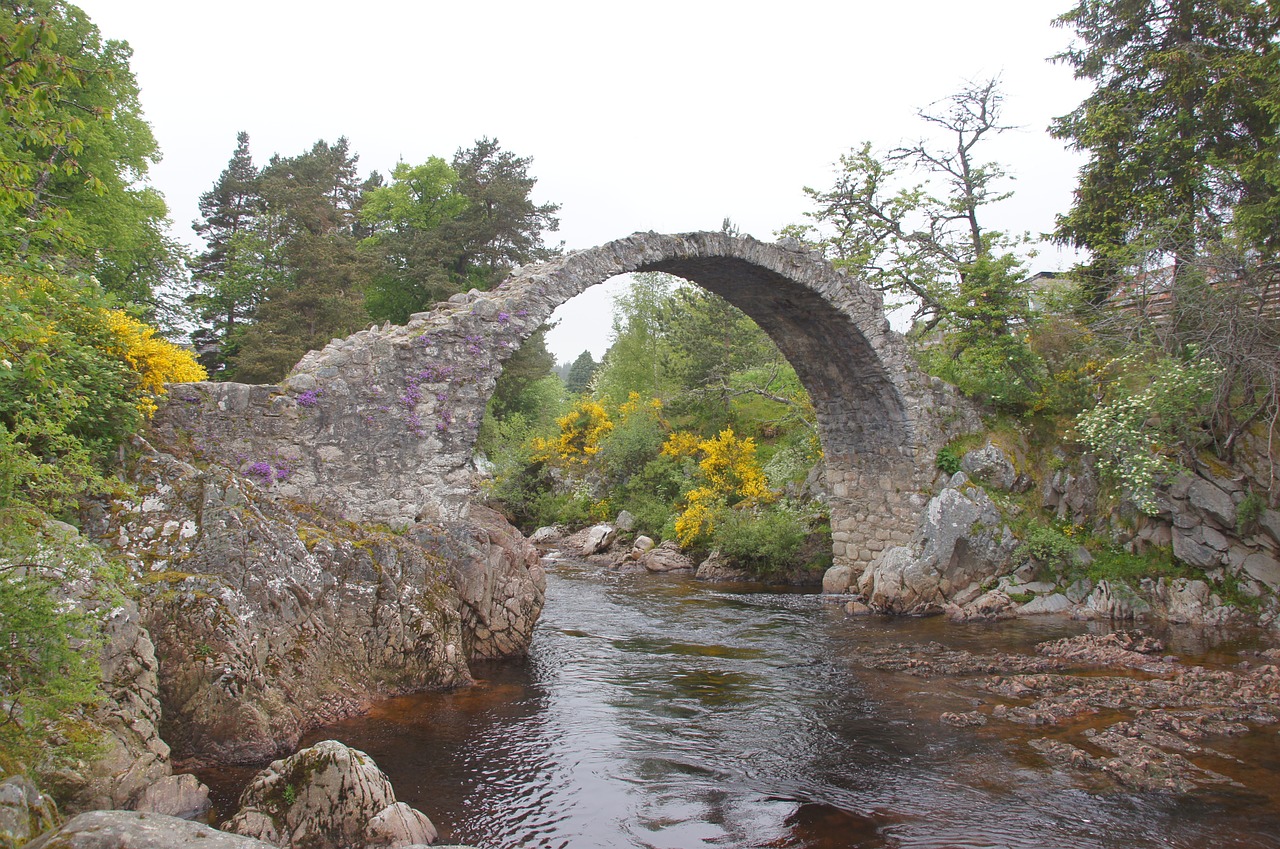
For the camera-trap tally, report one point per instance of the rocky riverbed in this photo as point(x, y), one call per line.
point(1112, 706)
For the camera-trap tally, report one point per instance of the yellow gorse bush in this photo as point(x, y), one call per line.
point(731, 476)
point(581, 430)
point(156, 361)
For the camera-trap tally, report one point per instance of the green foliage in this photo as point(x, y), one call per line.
point(241, 264)
point(1046, 543)
point(581, 373)
point(311, 205)
point(924, 249)
point(75, 154)
point(415, 255)
point(1180, 130)
point(289, 794)
point(1153, 411)
point(651, 494)
point(765, 540)
point(77, 378)
point(1114, 564)
point(526, 386)
point(1248, 512)
point(948, 459)
point(49, 673)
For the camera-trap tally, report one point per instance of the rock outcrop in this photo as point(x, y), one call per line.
point(24, 811)
point(961, 543)
point(329, 796)
point(666, 557)
point(271, 617)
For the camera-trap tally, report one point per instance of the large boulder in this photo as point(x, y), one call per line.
point(667, 557)
point(329, 796)
point(990, 465)
point(1113, 600)
point(175, 796)
point(501, 583)
point(960, 544)
point(136, 830)
point(1187, 601)
point(598, 538)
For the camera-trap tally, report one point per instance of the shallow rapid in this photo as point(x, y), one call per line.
point(664, 712)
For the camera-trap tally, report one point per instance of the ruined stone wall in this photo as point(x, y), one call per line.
point(382, 425)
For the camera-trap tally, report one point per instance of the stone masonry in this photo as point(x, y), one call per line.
point(381, 425)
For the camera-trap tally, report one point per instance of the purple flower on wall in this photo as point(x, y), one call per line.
point(261, 470)
point(310, 398)
point(503, 318)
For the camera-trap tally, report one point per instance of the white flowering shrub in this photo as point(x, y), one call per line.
point(1133, 435)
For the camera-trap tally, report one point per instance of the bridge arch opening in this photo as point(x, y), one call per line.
point(829, 328)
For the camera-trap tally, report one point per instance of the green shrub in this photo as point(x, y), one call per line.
point(49, 672)
point(1248, 512)
point(1117, 565)
point(948, 459)
point(764, 540)
point(1046, 543)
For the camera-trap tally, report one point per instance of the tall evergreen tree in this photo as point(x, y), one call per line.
point(1180, 131)
point(502, 226)
point(235, 271)
point(310, 224)
point(580, 373)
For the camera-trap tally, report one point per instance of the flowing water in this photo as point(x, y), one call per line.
point(664, 712)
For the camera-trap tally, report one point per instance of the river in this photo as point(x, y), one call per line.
point(664, 712)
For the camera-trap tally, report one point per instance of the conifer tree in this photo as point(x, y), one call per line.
point(311, 204)
point(235, 271)
point(1180, 130)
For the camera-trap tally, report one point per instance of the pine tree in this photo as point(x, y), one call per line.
point(235, 271)
point(501, 227)
point(310, 227)
point(580, 373)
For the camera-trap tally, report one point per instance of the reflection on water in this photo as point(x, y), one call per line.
point(660, 712)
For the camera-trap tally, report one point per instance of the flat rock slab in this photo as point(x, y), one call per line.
point(134, 830)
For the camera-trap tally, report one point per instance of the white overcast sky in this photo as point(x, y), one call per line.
point(656, 115)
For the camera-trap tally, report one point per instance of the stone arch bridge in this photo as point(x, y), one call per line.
point(382, 424)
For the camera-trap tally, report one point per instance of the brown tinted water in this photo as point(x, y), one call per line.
point(664, 712)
